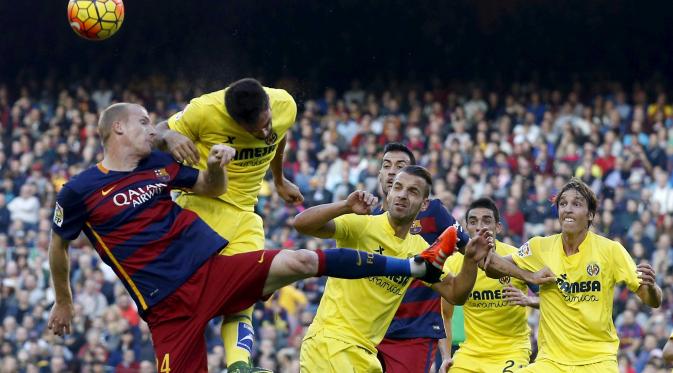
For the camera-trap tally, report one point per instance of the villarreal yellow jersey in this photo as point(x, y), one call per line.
point(359, 311)
point(206, 122)
point(492, 325)
point(576, 325)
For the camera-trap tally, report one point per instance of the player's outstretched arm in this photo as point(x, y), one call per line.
point(497, 266)
point(318, 221)
point(59, 264)
point(648, 291)
point(212, 181)
point(180, 147)
point(287, 190)
point(456, 290)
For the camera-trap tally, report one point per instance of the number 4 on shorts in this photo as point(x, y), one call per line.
point(165, 364)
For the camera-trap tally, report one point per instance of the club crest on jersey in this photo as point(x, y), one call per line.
point(271, 139)
point(593, 269)
point(162, 174)
point(524, 250)
point(416, 227)
point(58, 215)
point(505, 280)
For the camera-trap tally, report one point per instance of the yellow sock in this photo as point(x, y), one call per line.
point(238, 336)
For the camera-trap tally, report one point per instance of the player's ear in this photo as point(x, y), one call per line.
point(426, 203)
point(118, 127)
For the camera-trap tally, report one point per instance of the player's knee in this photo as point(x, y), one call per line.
point(304, 262)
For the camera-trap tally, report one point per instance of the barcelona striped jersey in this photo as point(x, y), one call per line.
point(151, 243)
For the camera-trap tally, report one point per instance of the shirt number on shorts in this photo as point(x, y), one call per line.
point(510, 363)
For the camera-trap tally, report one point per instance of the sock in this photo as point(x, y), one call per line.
point(238, 336)
point(417, 269)
point(349, 263)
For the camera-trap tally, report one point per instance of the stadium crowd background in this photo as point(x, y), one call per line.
point(517, 144)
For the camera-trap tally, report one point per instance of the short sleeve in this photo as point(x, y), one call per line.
point(344, 227)
point(178, 175)
point(186, 177)
point(624, 268)
point(187, 121)
point(70, 214)
point(528, 257)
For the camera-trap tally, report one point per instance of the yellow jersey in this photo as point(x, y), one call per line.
point(493, 326)
point(206, 122)
point(359, 311)
point(576, 325)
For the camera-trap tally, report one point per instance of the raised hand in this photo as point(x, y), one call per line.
point(646, 274)
point(181, 148)
point(515, 296)
point(480, 245)
point(220, 155)
point(289, 192)
point(361, 202)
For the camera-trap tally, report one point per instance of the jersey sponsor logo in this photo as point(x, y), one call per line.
point(105, 192)
point(524, 250)
point(138, 196)
point(505, 280)
point(416, 227)
point(487, 299)
point(251, 153)
point(58, 215)
point(395, 288)
point(485, 294)
point(398, 279)
point(593, 269)
point(230, 139)
point(583, 289)
point(162, 174)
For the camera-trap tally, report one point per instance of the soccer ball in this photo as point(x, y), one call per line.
point(95, 19)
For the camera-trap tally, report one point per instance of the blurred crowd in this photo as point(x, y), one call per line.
point(516, 144)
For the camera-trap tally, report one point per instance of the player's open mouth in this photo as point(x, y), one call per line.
point(569, 220)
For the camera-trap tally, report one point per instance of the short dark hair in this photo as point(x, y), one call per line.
point(398, 147)
point(485, 203)
point(422, 173)
point(583, 189)
point(245, 100)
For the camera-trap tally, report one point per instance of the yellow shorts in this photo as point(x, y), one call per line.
point(243, 229)
point(465, 362)
point(320, 354)
point(548, 366)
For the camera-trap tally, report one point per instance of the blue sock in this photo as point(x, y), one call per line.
point(349, 263)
